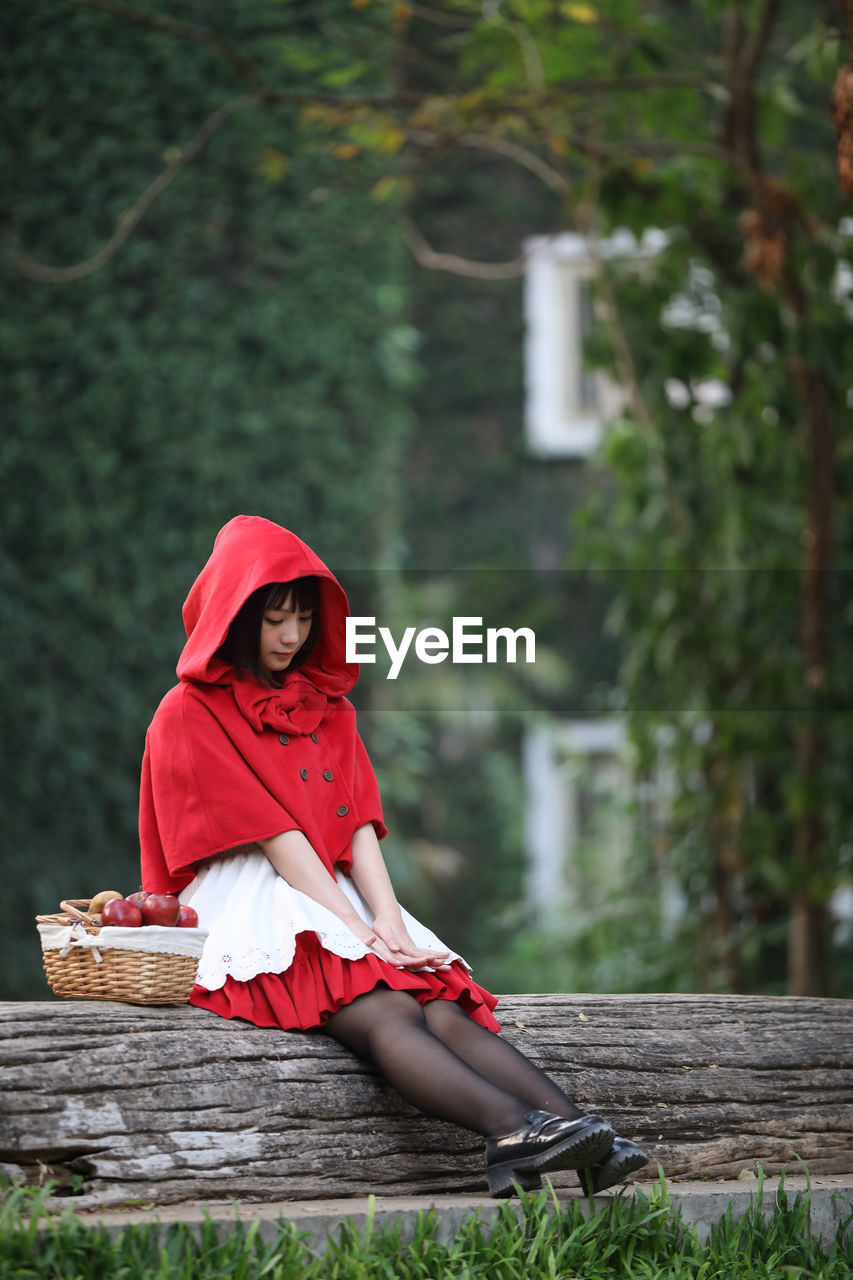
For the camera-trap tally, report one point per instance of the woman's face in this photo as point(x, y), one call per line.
point(283, 633)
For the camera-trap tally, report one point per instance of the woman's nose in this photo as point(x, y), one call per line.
point(289, 631)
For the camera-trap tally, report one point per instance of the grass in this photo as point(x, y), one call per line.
point(630, 1238)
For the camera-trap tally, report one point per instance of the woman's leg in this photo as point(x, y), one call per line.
point(506, 1067)
point(391, 1030)
point(496, 1060)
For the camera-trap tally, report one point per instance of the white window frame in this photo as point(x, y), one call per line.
point(552, 800)
point(559, 422)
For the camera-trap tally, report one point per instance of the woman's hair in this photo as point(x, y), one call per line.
point(242, 645)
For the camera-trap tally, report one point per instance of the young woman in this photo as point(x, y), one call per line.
point(259, 806)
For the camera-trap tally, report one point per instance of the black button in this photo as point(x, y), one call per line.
point(303, 773)
point(342, 810)
point(314, 738)
point(328, 775)
point(283, 739)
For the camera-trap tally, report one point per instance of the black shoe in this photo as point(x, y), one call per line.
point(546, 1142)
point(622, 1158)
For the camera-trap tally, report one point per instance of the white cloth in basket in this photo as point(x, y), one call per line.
point(152, 937)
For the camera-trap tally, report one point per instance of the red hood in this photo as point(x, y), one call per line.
point(251, 552)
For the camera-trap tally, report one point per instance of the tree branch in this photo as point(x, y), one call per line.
point(428, 257)
point(247, 70)
point(129, 220)
point(546, 172)
point(632, 84)
point(756, 46)
point(533, 68)
point(184, 31)
point(512, 150)
point(440, 19)
point(264, 94)
point(243, 65)
point(847, 14)
point(743, 54)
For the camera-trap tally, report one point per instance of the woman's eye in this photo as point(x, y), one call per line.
point(306, 617)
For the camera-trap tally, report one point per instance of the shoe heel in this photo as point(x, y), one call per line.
point(624, 1159)
point(592, 1149)
point(503, 1181)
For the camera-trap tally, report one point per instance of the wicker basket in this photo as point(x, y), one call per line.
point(132, 972)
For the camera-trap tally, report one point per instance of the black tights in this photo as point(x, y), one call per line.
point(445, 1064)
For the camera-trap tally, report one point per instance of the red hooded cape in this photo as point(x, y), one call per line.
point(229, 761)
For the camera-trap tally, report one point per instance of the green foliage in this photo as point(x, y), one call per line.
point(701, 516)
point(242, 353)
point(705, 546)
point(631, 1238)
point(253, 347)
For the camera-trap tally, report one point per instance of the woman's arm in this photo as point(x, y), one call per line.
point(296, 862)
point(374, 884)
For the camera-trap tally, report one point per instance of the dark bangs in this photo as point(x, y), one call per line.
point(305, 593)
point(242, 646)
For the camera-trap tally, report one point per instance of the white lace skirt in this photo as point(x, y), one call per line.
point(254, 916)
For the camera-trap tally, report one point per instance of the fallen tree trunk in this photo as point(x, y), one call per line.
point(122, 1103)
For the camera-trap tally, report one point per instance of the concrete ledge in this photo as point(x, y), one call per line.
point(701, 1204)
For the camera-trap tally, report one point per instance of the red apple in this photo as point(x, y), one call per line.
point(188, 918)
point(121, 912)
point(138, 897)
point(161, 908)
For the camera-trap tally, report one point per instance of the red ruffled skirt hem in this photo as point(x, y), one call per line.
point(319, 982)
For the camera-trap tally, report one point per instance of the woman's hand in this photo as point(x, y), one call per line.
point(390, 938)
point(394, 939)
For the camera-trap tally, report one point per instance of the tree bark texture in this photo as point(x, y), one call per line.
point(126, 1104)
